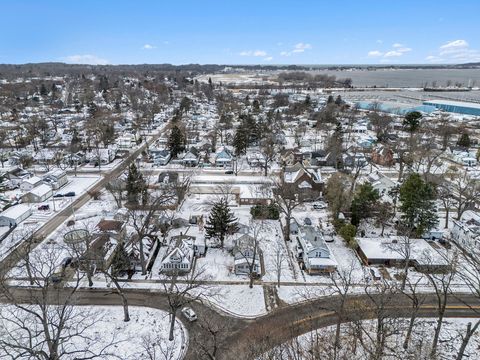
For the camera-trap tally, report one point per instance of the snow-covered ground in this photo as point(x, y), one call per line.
point(319, 343)
point(103, 327)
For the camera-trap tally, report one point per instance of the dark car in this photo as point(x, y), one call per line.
point(69, 194)
point(44, 207)
point(229, 172)
point(58, 195)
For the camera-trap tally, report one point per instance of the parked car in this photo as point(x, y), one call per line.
point(307, 221)
point(69, 194)
point(44, 207)
point(189, 314)
point(58, 195)
point(229, 172)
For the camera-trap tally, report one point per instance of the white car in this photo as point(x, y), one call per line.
point(189, 314)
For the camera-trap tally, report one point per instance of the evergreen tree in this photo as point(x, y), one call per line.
point(364, 203)
point(221, 221)
point(338, 100)
point(240, 141)
point(176, 141)
point(464, 141)
point(411, 123)
point(136, 186)
point(330, 99)
point(43, 90)
point(120, 261)
point(417, 198)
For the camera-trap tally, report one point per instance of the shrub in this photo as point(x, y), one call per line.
point(348, 231)
point(270, 212)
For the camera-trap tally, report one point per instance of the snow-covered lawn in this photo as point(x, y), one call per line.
point(240, 300)
point(319, 343)
point(103, 327)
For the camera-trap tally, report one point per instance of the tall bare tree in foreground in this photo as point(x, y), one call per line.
point(183, 289)
point(41, 321)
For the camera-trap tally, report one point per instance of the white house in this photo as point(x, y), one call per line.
point(313, 252)
point(466, 231)
point(55, 178)
point(180, 259)
point(30, 183)
point(14, 215)
point(246, 256)
point(382, 183)
point(190, 159)
point(38, 194)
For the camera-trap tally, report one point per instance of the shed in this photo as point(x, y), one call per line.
point(14, 215)
point(38, 194)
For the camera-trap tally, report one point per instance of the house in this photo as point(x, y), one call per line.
point(114, 228)
point(247, 256)
point(56, 179)
point(38, 194)
point(255, 159)
point(466, 231)
point(304, 179)
point(382, 183)
point(14, 215)
point(126, 141)
point(291, 157)
point(199, 247)
point(313, 253)
point(160, 157)
point(17, 176)
point(179, 259)
point(190, 159)
point(383, 155)
point(389, 251)
point(30, 183)
point(75, 159)
point(224, 158)
point(106, 156)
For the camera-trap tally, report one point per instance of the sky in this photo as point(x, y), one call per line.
point(240, 31)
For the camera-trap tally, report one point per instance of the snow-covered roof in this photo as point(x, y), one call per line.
point(33, 180)
point(40, 190)
point(16, 211)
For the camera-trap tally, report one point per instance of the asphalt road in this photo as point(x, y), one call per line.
point(46, 229)
point(243, 339)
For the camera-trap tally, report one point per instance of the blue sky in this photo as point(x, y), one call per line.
point(240, 32)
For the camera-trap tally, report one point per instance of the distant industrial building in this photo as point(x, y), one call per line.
point(455, 106)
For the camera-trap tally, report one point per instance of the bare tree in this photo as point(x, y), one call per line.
point(441, 283)
point(41, 319)
point(287, 197)
point(181, 290)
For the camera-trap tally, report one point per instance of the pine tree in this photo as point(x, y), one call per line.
point(221, 221)
point(240, 141)
point(120, 261)
point(43, 90)
point(176, 141)
point(135, 186)
point(364, 203)
point(338, 100)
point(418, 209)
point(464, 141)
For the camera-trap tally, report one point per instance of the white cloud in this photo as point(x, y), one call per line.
point(301, 47)
point(379, 41)
point(457, 51)
point(434, 59)
point(454, 46)
point(149, 46)
point(268, 58)
point(374, 53)
point(396, 51)
point(253, 53)
point(393, 53)
point(297, 48)
point(86, 59)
